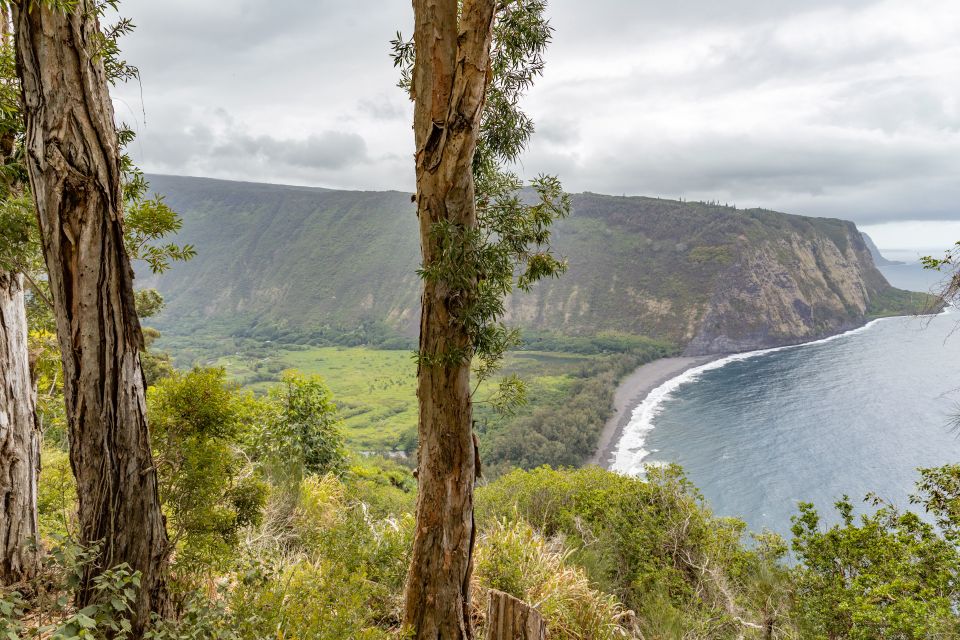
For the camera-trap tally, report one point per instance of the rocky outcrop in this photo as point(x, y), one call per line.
point(794, 289)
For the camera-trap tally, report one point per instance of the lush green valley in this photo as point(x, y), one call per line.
point(569, 388)
point(324, 282)
point(243, 411)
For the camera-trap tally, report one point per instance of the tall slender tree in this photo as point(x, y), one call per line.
point(449, 85)
point(73, 159)
point(19, 428)
point(19, 438)
point(466, 68)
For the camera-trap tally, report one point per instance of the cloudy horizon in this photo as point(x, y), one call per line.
point(843, 109)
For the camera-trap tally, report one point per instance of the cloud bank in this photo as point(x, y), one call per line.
point(848, 109)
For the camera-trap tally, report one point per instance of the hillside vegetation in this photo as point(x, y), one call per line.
point(279, 533)
point(570, 383)
point(298, 264)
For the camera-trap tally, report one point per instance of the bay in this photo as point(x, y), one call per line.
point(851, 415)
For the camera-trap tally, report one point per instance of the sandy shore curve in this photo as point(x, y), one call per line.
point(632, 391)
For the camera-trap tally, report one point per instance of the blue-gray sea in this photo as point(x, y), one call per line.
point(850, 415)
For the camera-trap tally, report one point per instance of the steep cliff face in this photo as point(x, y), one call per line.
point(310, 264)
point(711, 278)
point(878, 258)
point(796, 288)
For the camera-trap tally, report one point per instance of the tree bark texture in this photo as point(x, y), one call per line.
point(511, 619)
point(19, 438)
point(73, 160)
point(449, 86)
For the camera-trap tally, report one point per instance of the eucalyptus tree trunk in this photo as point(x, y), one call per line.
point(449, 86)
point(19, 438)
point(73, 160)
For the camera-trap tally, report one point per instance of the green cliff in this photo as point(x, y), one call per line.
point(302, 263)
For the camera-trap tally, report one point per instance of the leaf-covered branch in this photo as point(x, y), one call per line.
point(950, 289)
point(510, 248)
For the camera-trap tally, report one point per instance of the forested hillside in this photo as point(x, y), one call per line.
point(302, 264)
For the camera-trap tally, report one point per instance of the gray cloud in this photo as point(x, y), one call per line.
point(845, 108)
point(328, 150)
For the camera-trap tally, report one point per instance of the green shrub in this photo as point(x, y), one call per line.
point(652, 544)
point(513, 558)
point(317, 599)
point(385, 486)
point(886, 574)
point(49, 611)
point(304, 436)
point(200, 618)
point(208, 487)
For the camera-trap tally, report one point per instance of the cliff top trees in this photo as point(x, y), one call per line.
point(466, 68)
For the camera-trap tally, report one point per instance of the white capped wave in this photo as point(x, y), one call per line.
point(630, 453)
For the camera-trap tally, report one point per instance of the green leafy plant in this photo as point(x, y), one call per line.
point(886, 574)
point(304, 436)
point(208, 486)
point(110, 616)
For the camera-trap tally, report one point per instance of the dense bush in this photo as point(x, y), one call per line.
point(886, 574)
point(48, 611)
point(221, 453)
point(208, 487)
point(307, 430)
point(653, 544)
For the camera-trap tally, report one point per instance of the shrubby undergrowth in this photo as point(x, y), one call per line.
point(282, 533)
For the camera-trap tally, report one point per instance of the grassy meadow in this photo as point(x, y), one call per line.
point(376, 388)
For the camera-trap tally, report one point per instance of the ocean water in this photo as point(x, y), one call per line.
point(853, 414)
point(913, 277)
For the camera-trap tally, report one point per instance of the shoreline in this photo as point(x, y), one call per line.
point(634, 389)
point(631, 391)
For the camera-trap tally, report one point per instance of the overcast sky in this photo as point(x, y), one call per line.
point(845, 108)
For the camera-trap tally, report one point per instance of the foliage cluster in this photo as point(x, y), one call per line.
point(886, 574)
point(562, 431)
point(324, 553)
point(950, 289)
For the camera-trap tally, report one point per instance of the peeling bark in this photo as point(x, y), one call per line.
point(19, 439)
point(73, 159)
point(449, 88)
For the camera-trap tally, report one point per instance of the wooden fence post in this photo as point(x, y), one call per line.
point(512, 619)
